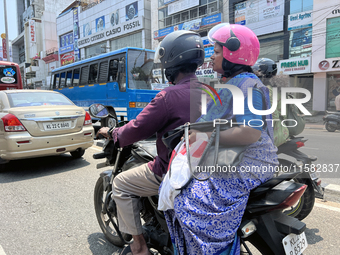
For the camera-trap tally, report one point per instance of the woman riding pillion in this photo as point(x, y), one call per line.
point(207, 214)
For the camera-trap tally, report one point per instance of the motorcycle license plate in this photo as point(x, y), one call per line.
point(295, 244)
point(315, 175)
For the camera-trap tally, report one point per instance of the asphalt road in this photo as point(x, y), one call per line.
point(46, 207)
point(326, 146)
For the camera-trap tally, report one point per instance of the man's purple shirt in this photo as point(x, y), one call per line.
point(172, 107)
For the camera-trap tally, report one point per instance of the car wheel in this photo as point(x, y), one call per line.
point(77, 153)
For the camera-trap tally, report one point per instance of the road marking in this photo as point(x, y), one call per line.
point(335, 209)
point(2, 252)
point(310, 148)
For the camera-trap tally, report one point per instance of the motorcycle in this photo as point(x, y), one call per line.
point(264, 224)
point(332, 121)
point(309, 176)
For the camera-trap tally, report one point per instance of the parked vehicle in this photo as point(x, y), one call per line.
point(309, 175)
point(35, 123)
point(332, 121)
point(264, 224)
point(126, 79)
point(10, 76)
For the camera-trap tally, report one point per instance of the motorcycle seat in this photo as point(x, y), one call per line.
point(329, 112)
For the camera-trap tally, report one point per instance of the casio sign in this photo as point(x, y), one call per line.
point(336, 11)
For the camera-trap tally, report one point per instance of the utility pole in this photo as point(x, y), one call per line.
point(6, 31)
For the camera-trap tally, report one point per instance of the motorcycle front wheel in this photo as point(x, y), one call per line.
point(103, 219)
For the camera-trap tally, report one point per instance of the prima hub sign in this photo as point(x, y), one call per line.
point(112, 32)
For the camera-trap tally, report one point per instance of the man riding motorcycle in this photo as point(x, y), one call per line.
point(180, 53)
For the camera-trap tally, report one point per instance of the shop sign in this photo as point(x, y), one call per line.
point(208, 52)
point(263, 17)
point(206, 70)
point(192, 25)
point(67, 58)
point(4, 48)
point(207, 21)
point(300, 20)
point(76, 34)
point(294, 66)
point(131, 11)
point(66, 43)
point(181, 5)
point(336, 64)
point(32, 30)
point(324, 65)
point(112, 32)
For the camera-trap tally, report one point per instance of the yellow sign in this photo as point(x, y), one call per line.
point(3, 36)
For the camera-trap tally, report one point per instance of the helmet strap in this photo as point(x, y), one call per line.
point(230, 68)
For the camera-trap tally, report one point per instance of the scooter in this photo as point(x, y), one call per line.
point(264, 224)
point(332, 121)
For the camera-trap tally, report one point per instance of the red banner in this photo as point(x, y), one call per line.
point(67, 58)
point(4, 49)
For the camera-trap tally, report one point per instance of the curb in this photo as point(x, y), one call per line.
point(332, 193)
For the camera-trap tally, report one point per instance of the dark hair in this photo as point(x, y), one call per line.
point(188, 68)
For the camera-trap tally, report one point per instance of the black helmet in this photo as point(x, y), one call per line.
point(265, 67)
point(180, 48)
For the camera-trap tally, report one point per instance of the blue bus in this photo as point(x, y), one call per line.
point(126, 79)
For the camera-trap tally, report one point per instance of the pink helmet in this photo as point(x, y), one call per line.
point(240, 44)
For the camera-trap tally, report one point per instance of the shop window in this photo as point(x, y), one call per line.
point(202, 10)
point(133, 40)
point(333, 81)
point(93, 75)
point(75, 77)
point(193, 13)
point(300, 43)
point(297, 6)
point(271, 48)
point(332, 38)
point(184, 16)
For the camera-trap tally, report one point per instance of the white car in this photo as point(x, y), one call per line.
point(35, 123)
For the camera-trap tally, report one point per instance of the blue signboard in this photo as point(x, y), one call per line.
point(207, 21)
point(208, 52)
point(76, 34)
point(211, 20)
point(66, 43)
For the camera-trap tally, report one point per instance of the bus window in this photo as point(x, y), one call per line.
point(68, 78)
point(62, 80)
point(56, 81)
point(122, 75)
point(75, 77)
point(84, 75)
point(113, 69)
point(93, 73)
point(103, 71)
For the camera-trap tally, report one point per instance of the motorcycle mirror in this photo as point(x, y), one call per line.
point(98, 111)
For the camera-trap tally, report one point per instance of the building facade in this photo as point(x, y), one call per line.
point(35, 48)
point(326, 54)
point(103, 26)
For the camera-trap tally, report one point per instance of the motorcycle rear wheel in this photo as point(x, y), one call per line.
point(306, 203)
point(329, 127)
point(102, 217)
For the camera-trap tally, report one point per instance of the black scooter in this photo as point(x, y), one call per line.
point(264, 224)
point(332, 121)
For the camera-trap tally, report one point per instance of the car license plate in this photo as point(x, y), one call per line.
point(57, 125)
point(295, 244)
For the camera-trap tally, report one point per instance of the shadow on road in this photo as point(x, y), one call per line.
point(312, 237)
point(100, 246)
point(19, 170)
